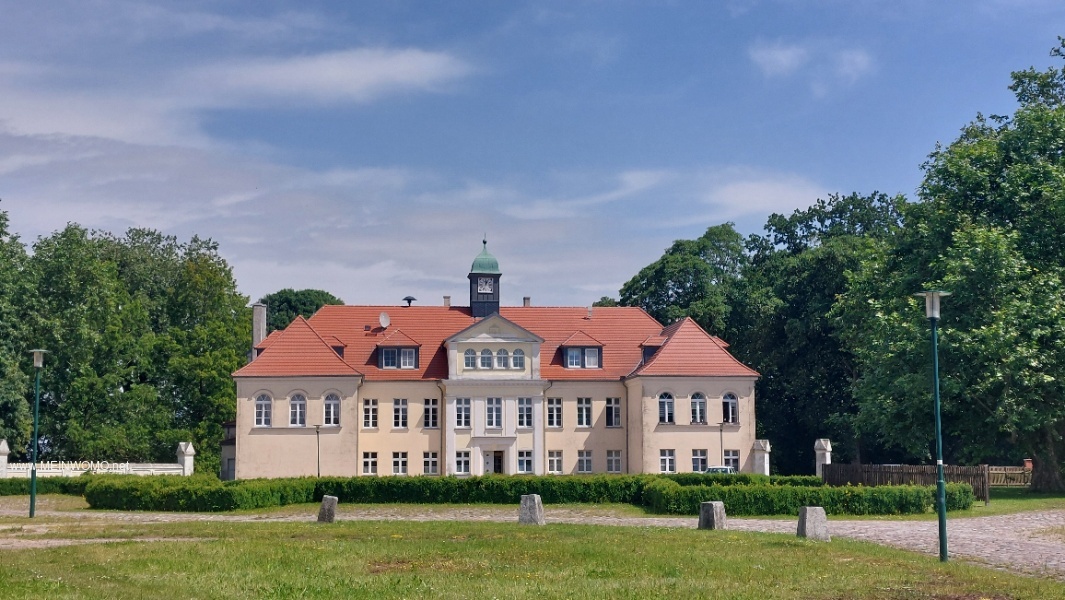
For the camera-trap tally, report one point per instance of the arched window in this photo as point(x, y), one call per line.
point(502, 359)
point(263, 408)
point(518, 359)
point(470, 358)
point(730, 409)
point(698, 408)
point(297, 411)
point(486, 359)
point(332, 411)
point(665, 408)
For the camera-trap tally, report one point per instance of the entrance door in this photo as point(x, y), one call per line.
point(497, 462)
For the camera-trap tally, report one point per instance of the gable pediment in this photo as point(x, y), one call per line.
point(495, 328)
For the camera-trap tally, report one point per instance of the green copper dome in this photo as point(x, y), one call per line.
point(485, 262)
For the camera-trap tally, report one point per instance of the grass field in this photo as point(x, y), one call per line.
point(479, 560)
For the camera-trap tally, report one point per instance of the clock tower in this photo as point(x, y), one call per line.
point(484, 284)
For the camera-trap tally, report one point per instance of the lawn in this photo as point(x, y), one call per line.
point(395, 559)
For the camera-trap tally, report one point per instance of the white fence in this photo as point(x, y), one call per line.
point(72, 468)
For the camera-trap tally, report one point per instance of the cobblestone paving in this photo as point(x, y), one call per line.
point(1017, 542)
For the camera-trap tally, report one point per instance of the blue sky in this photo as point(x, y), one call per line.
point(365, 148)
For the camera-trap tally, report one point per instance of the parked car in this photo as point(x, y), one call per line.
point(721, 470)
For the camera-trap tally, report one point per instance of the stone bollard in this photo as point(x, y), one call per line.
point(531, 511)
point(712, 515)
point(813, 524)
point(328, 512)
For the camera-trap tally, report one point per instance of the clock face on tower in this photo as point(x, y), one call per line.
point(485, 285)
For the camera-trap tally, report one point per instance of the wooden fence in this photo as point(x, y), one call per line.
point(843, 474)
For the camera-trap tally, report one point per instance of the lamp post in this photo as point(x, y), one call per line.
point(38, 364)
point(931, 307)
point(318, 447)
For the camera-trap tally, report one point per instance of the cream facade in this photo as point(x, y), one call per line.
point(519, 390)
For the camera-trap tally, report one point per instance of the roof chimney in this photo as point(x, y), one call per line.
point(258, 326)
point(447, 301)
point(526, 301)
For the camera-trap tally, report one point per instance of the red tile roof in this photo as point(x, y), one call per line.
point(621, 331)
point(690, 351)
point(298, 350)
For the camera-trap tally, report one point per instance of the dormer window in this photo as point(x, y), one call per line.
point(582, 357)
point(408, 358)
point(399, 358)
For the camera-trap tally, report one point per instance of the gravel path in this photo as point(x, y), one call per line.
point(1018, 542)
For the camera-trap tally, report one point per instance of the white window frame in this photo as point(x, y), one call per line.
point(487, 358)
point(525, 462)
point(667, 461)
point(554, 462)
point(554, 413)
point(469, 359)
point(584, 412)
point(399, 413)
point(408, 358)
point(698, 409)
point(462, 462)
point(369, 463)
point(613, 412)
point(264, 407)
point(502, 359)
point(389, 358)
point(297, 410)
point(666, 414)
point(525, 413)
point(573, 358)
point(613, 461)
point(430, 463)
point(732, 459)
point(462, 413)
point(369, 413)
point(431, 419)
point(517, 359)
point(591, 358)
point(331, 411)
point(493, 413)
point(730, 409)
point(399, 463)
point(584, 461)
point(700, 460)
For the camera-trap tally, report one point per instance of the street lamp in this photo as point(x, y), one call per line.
point(931, 308)
point(318, 446)
point(38, 364)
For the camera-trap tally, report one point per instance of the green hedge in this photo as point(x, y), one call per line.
point(72, 486)
point(745, 479)
point(673, 494)
point(669, 497)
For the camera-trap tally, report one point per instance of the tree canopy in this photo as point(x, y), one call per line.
point(285, 305)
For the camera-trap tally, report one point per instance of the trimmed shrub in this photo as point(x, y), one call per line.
point(71, 486)
point(744, 479)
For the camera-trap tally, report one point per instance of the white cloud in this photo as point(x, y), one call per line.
point(852, 64)
point(777, 59)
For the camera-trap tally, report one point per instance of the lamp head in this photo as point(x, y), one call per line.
point(38, 358)
point(931, 302)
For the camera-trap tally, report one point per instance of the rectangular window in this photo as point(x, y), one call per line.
point(729, 409)
point(732, 459)
point(613, 461)
point(584, 412)
point(573, 358)
point(462, 412)
point(584, 461)
point(430, 466)
point(591, 358)
point(408, 358)
point(389, 358)
point(699, 463)
point(432, 413)
point(462, 462)
point(554, 412)
point(525, 413)
point(613, 412)
point(369, 463)
point(399, 463)
point(525, 461)
point(369, 414)
point(399, 413)
point(698, 409)
point(667, 461)
point(493, 413)
point(665, 408)
point(554, 462)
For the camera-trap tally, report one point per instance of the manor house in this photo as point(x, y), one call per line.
point(484, 388)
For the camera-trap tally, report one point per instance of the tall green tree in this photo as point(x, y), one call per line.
point(15, 292)
point(283, 306)
point(988, 229)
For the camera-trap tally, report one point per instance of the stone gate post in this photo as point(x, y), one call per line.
point(761, 456)
point(823, 448)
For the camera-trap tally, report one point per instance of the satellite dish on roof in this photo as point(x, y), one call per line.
point(384, 320)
